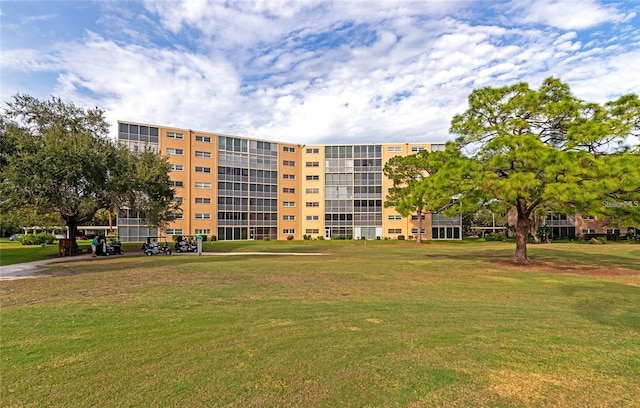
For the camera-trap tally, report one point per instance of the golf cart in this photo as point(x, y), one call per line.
point(114, 247)
point(186, 244)
point(156, 245)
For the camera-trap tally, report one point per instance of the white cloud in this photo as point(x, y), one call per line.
point(314, 72)
point(569, 14)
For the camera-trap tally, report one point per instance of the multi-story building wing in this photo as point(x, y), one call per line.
point(238, 188)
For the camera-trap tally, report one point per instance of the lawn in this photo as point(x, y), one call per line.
point(375, 324)
point(14, 252)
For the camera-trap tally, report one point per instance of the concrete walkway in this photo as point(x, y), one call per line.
point(30, 269)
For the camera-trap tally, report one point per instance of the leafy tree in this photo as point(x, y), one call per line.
point(405, 196)
point(419, 185)
point(58, 157)
point(487, 218)
point(10, 223)
point(534, 148)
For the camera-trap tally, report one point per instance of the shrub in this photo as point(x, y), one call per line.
point(36, 239)
point(289, 237)
point(320, 237)
point(498, 236)
point(175, 237)
point(266, 239)
point(400, 237)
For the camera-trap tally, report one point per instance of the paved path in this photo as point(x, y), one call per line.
point(30, 269)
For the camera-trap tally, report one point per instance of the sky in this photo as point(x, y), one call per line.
point(311, 72)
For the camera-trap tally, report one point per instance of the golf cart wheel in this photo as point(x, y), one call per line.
point(168, 252)
point(121, 252)
point(148, 253)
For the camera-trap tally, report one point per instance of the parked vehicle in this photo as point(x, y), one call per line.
point(114, 247)
point(186, 244)
point(14, 237)
point(156, 245)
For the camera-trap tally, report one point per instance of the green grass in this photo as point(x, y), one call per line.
point(382, 324)
point(12, 252)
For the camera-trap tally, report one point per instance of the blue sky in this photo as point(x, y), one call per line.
point(311, 71)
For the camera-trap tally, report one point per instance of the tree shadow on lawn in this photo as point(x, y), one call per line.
point(611, 306)
point(551, 261)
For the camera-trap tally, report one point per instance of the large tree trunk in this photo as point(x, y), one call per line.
point(522, 233)
point(419, 236)
point(72, 224)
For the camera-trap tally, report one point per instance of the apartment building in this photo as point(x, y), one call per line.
point(239, 188)
point(579, 226)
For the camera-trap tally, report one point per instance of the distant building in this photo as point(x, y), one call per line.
point(239, 188)
point(578, 226)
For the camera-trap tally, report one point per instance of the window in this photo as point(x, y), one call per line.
point(415, 231)
point(175, 152)
point(588, 231)
point(290, 163)
point(173, 231)
point(415, 217)
point(312, 204)
point(203, 216)
point(313, 150)
point(202, 184)
point(288, 217)
point(312, 218)
point(289, 204)
point(588, 217)
point(174, 135)
point(313, 164)
point(205, 139)
point(203, 200)
point(312, 231)
point(288, 190)
point(439, 147)
point(178, 216)
point(289, 149)
point(394, 149)
point(289, 176)
point(200, 169)
point(395, 230)
point(313, 177)
point(312, 191)
point(288, 231)
point(177, 167)
point(199, 231)
point(611, 231)
point(178, 200)
point(206, 155)
point(395, 217)
point(174, 183)
point(233, 144)
point(417, 149)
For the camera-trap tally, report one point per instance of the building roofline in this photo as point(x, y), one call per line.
point(207, 132)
